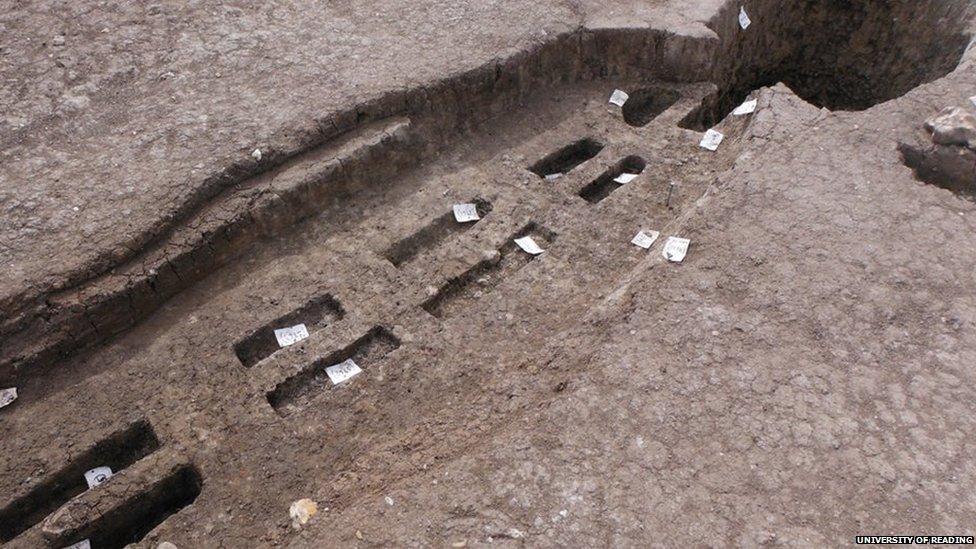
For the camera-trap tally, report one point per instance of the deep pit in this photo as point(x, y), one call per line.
point(836, 54)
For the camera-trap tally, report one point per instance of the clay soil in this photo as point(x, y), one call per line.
point(178, 181)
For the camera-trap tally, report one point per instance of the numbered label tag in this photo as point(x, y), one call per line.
point(97, 476)
point(528, 245)
point(292, 335)
point(712, 140)
point(83, 544)
point(744, 20)
point(553, 176)
point(625, 178)
point(7, 396)
point(465, 213)
point(618, 98)
point(344, 371)
point(645, 239)
point(748, 107)
point(675, 249)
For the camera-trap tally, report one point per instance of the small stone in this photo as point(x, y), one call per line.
point(166, 545)
point(301, 512)
point(953, 126)
point(359, 535)
point(58, 40)
point(256, 154)
point(462, 543)
point(388, 500)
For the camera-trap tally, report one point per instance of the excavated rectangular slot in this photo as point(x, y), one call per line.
point(567, 158)
point(432, 234)
point(139, 515)
point(118, 451)
point(459, 292)
point(602, 186)
point(297, 391)
point(646, 104)
point(316, 314)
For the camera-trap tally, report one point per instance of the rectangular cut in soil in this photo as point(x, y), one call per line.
point(298, 391)
point(602, 186)
point(647, 104)
point(432, 234)
point(118, 451)
point(316, 314)
point(460, 292)
point(567, 158)
point(130, 521)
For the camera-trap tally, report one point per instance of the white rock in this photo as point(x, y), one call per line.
point(302, 511)
point(953, 126)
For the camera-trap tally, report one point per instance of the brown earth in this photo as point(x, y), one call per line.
point(804, 376)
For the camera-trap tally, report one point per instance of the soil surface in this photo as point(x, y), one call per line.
point(805, 375)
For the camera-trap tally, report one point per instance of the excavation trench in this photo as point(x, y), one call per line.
point(835, 54)
point(118, 451)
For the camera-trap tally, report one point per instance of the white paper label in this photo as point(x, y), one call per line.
point(83, 544)
point(97, 476)
point(625, 178)
point(343, 371)
point(712, 140)
point(553, 176)
point(748, 107)
point(292, 335)
point(7, 396)
point(744, 20)
point(528, 245)
point(465, 213)
point(675, 249)
point(645, 239)
point(618, 98)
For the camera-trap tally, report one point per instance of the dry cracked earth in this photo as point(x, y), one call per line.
point(182, 184)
